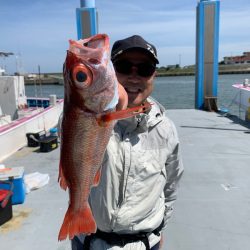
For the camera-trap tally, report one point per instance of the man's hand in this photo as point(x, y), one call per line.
point(161, 242)
point(123, 98)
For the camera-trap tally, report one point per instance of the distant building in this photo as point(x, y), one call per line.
point(173, 66)
point(243, 59)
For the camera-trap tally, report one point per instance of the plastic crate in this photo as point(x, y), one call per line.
point(33, 139)
point(48, 143)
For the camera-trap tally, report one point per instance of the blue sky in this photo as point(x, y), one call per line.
point(38, 31)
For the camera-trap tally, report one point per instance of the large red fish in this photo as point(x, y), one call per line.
point(90, 101)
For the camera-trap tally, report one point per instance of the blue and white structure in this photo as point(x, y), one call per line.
point(207, 43)
point(86, 19)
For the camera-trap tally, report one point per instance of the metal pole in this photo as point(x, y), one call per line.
point(40, 82)
point(87, 3)
point(86, 19)
point(207, 44)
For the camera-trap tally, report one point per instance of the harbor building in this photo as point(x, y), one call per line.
point(243, 59)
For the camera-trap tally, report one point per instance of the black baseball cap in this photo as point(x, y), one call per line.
point(135, 42)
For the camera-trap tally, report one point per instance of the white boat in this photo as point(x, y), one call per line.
point(243, 94)
point(17, 118)
point(242, 97)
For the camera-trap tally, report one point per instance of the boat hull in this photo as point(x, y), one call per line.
point(13, 135)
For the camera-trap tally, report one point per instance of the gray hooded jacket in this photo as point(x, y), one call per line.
point(140, 173)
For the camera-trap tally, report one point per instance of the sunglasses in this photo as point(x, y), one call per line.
point(145, 69)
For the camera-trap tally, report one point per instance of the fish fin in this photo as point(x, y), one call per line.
point(77, 222)
point(104, 119)
point(97, 177)
point(61, 178)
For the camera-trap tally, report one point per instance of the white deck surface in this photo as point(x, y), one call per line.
point(213, 206)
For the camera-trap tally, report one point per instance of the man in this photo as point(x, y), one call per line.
point(141, 167)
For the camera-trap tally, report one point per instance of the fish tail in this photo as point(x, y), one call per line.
point(77, 222)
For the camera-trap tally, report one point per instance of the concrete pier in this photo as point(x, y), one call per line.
point(213, 206)
point(212, 210)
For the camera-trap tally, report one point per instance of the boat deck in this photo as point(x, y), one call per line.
point(213, 206)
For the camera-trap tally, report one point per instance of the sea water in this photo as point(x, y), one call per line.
point(175, 92)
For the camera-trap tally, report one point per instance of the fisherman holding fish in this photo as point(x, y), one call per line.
point(134, 192)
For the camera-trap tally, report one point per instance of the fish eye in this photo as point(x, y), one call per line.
point(82, 76)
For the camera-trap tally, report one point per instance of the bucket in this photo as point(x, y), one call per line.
point(52, 100)
point(53, 132)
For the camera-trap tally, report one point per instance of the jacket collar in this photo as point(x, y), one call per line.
point(143, 122)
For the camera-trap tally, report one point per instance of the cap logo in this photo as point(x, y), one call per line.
point(149, 48)
point(118, 53)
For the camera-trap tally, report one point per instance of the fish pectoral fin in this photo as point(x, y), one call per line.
point(77, 222)
point(97, 177)
point(104, 119)
point(61, 178)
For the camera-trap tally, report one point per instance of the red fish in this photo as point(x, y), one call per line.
point(91, 93)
